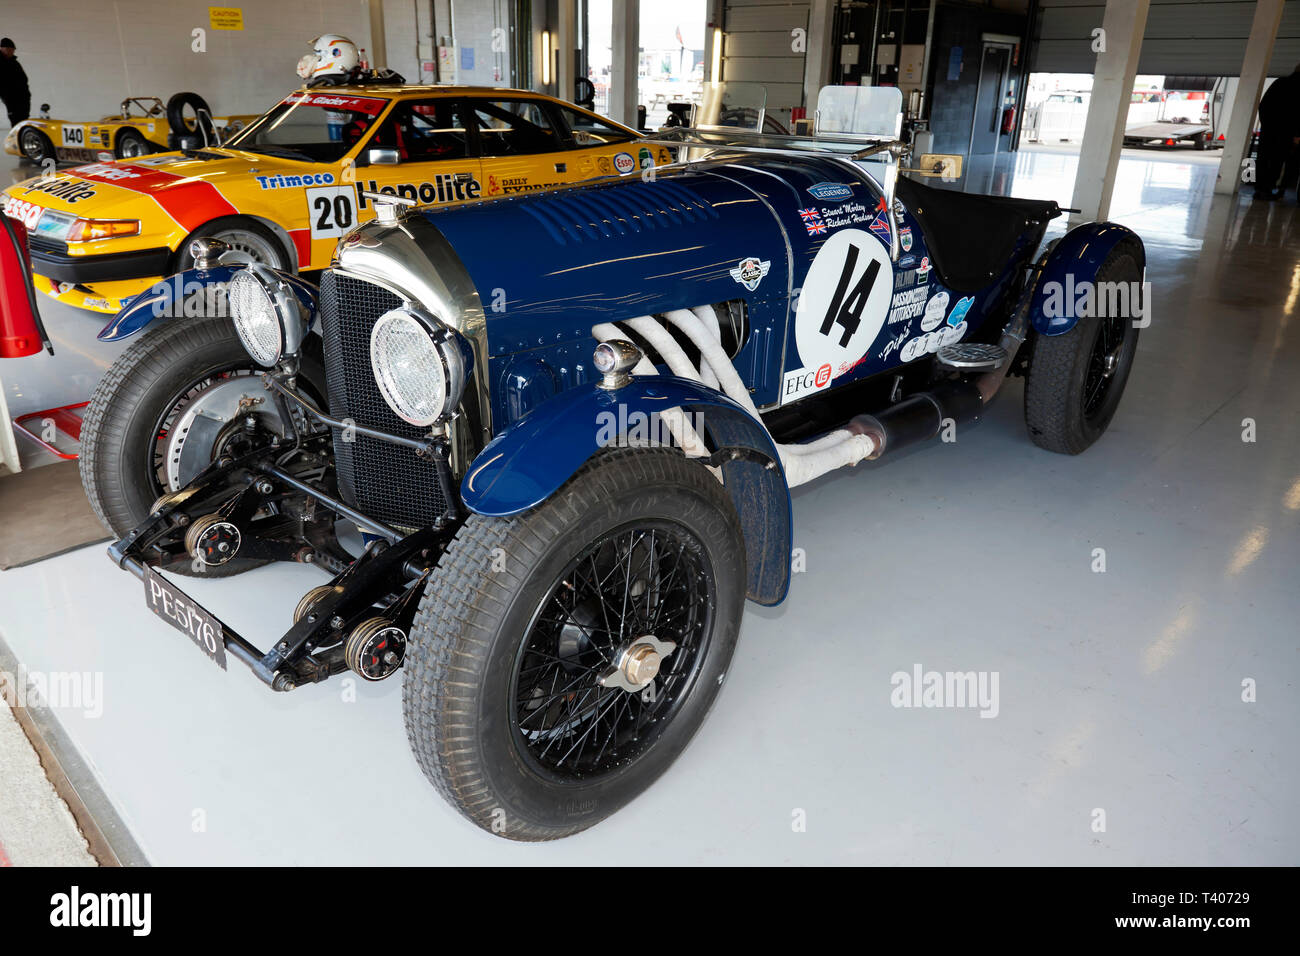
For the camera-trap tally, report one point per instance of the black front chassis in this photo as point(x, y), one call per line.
point(280, 498)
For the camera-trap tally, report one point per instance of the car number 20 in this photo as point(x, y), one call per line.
point(844, 301)
point(332, 211)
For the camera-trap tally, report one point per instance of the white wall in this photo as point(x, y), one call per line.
point(83, 56)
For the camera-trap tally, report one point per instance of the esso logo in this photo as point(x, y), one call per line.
point(624, 162)
point(25, 212)
point(823, 377)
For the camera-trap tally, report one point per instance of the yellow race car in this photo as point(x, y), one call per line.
point(284, 189)
point(142, 126)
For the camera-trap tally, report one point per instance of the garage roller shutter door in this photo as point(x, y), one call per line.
point(757, 48)
point(1182, 36)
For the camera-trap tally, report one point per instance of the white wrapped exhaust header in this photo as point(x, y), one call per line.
point(801, 462)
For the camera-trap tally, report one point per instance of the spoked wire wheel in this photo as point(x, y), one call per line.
point(562, 658)
point(612, 650)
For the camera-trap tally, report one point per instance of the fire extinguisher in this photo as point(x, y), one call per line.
point(1008, 119)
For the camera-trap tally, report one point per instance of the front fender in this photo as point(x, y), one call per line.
point(530, 461)
point(1075, 260)
point(184, 296)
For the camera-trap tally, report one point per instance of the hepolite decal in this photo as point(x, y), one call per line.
point(69, 190)
point(831, 192)
point(288, 182)
point(445, 187)
point(624, 163)
point(804, 381)
point(750, 272)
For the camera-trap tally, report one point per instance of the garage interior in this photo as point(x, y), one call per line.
point(1136, 604)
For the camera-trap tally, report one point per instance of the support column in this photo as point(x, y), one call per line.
point(1123, 24)
point(1241, 119)
point(378, 52)
point(566, 43)
point(817, 58)
point(626, 61)
point(712, 31)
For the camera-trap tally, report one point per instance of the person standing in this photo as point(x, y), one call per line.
point(1279, 132)
point(13, 84)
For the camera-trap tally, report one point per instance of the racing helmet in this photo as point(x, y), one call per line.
point(334, 56)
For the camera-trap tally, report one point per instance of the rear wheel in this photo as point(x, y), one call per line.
point(35, 145)
point(563, 658)
point(1076, 379)
point(172, 403)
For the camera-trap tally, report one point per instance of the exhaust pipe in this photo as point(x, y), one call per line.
point(920, 417)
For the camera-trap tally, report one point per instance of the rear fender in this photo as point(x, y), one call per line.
point(184, 295)
point(530, 461)
point(1075, 260)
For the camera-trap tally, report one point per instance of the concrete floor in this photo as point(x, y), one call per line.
point(1121, 734)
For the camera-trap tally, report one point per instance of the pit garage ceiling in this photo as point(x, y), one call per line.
point(1182, 36)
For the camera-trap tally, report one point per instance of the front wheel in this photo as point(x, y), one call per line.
point(182, 396)
point(1077, 378)
point(563, 658)
point(35, 145)
point(248, 239)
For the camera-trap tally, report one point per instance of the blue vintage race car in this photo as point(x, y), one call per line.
point(542, 446)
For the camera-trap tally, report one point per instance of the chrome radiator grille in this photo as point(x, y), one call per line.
point(383, 480)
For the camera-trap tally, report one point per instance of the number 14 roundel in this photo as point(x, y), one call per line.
point(844, 301)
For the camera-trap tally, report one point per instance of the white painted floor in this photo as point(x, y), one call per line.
point(1119, 692)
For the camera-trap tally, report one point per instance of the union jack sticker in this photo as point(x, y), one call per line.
point(812, 221)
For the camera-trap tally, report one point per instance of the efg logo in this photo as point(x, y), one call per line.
point(831, 192)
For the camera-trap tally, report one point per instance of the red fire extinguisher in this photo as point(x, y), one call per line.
point(21, 331)
point(1008, 119)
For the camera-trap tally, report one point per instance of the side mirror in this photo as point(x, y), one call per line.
point(382, 156)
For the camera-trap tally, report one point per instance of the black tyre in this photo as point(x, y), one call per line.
point(1076, 379)
point(505, 709)
point(128, 453)
point(247, 237)
point(130, 145)
point(35, 145)
point(188, 115)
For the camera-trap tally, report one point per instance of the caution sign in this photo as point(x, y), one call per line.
point(226, 18)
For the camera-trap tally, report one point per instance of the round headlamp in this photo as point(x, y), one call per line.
point(266, 313)
point(417, 364)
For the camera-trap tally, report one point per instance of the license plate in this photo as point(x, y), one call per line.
point(183, 613)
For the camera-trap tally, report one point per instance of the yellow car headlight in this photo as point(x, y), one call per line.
point(88, 230)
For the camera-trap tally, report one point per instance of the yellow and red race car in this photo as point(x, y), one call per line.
point(143, 126)
point(284, 189)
